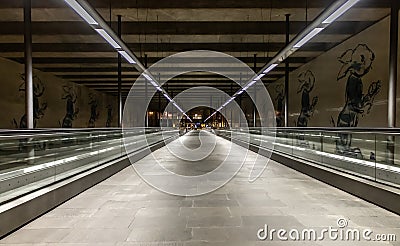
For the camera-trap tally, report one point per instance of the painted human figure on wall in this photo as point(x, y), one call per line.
point(357, 63)
point(109, 115)
point(307, 82)
point(38, 108)
point(94, 114)
point(279, 102)
point(71, 113)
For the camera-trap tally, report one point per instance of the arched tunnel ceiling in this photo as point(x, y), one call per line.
point(67, 47)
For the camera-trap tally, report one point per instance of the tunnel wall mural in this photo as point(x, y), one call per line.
point(344, 87)
point(57, 103)
point(306, 86)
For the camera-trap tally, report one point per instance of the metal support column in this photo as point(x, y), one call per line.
point(159, 109)
point(287, 73)
point(393, 63)
point(211, 110)
point(166, 108)
point(231, 122)
point(172, 111)
point(146, 124)
point(28, 64)
point(30, 148)
point(119, 76)
point(255, 94)
point(240, 101)
point(394, 40)
point(220, 112)
point(159, 104)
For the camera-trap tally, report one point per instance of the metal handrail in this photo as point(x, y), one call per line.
point(347, 130)
point(63, 131)
point(38, 132)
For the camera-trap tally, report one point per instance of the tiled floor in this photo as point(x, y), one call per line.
point(124, 210)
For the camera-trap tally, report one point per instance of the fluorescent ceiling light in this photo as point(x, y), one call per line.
point(166, 96)
point(159, 88)
point(269, 69)
point(340, 11)
point(108, 38)
point(127, 56)
point(147, 77)
point(78, 9)
point(309, 36)
point(252, 83)
point(240, 92)
point(153, 83)
point(259, 76)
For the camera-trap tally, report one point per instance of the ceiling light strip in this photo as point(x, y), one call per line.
point(340, 11)
point(108, 38)
point(93, 18)
point(126, 56)
point(308, 37)
point(318, 25)
point(78, 9)
point(270, 68)
point(97, 22)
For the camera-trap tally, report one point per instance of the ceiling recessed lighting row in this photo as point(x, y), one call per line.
point(83, 9)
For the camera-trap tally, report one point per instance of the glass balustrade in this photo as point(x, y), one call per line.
point(373, 154)
point(30, 160)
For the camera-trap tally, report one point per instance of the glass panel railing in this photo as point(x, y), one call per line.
point(31, 160)
point(387, 158)
point(368, 153)
point(350, 152)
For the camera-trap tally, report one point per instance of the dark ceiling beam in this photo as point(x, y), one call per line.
point(130, 82)
point(151, 60)
point(186, 76)
point(126, 69)
point(182, 28)
point(181, 84)
point(165, 47)
point(174, 85)
point(156, 4)
point(222, 87)
point(169, 89)
point(175, 91)
point(266, 80)
point(59, 47)
point(111, 76)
